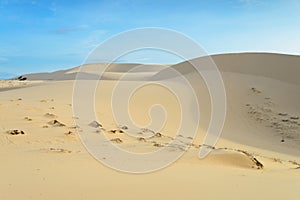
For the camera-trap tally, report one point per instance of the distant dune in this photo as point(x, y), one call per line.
point(114, 71)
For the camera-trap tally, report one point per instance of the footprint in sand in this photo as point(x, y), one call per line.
point(19, 99)
point(56, 123)
point(70, 134)
point(50, 115)
point(158, 145)
point(95, 124)
point(141, 139)
point(282, 114)
point(158, 135)
point(46, 100)
point(58, 150)
point(116, 140)
point(113, 131)
point(123, 127)
point(16, 132)
point(294, 117)
point(254, 90)
point(281, 122)
point(176, 147)
point(27, 119)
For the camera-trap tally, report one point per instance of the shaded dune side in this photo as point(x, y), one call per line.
point(276, 66)
point(262, 97)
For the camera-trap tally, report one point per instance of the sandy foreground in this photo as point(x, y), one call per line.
point(257, 156)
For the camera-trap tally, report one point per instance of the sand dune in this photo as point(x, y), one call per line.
point(259, 89)
point(257, 156)
point(113, 71)
point(276, 66)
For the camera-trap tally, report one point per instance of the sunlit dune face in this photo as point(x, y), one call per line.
point(152, 103)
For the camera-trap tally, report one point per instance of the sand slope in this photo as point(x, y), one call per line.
point(262, 96)
point(49, 161)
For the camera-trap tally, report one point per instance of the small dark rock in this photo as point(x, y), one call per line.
point(21, 78)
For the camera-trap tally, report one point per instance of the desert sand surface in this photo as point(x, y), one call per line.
point(256, 157)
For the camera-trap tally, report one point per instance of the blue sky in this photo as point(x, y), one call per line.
point(49, 35)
